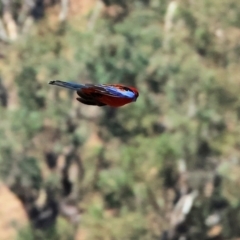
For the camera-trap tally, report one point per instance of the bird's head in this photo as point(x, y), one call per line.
point(135, 91)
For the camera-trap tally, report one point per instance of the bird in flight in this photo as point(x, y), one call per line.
point(113, 95)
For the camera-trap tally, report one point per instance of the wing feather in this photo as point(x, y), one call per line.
point(109, 90)
point(89, 102)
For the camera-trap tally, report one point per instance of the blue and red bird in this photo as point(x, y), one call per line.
point(114, 95)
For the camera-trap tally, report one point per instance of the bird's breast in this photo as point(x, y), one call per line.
point(115, 102)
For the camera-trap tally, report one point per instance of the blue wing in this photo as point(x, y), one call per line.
point(112, 90)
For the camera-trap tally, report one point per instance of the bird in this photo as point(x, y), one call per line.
point(113, 95)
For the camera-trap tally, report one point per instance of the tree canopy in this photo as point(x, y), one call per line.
point(164, 167)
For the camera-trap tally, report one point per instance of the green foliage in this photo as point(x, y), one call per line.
point(29, 89)
point(188, 109)
point(62, 231)
point(29, 174)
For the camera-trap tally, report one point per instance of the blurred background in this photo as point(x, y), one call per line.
point(164, 168)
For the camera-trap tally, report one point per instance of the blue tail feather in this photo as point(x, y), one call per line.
point(69, 85)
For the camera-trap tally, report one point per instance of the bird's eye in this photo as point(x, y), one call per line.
point(125, 88)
